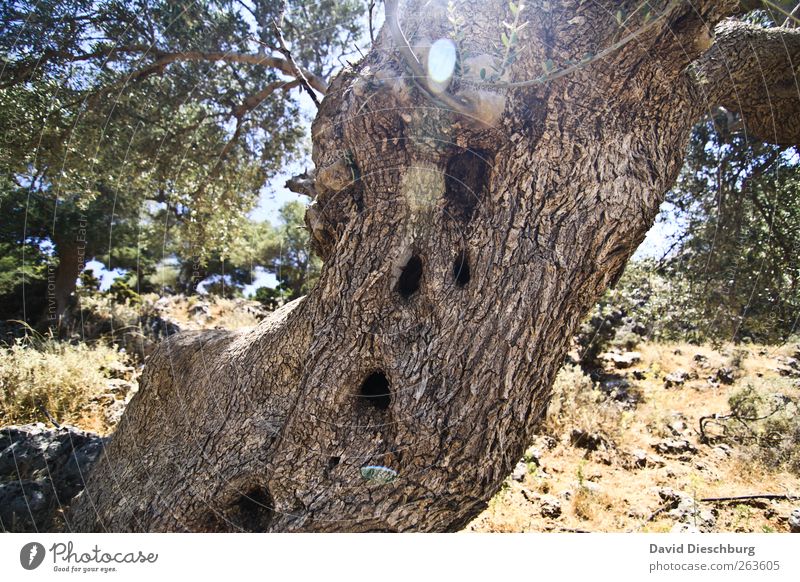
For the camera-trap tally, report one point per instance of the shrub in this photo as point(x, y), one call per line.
point(38, 374)
point(577, 403)
point(767, 426)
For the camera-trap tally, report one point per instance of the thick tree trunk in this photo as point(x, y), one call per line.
point(462, 249)
point(70, 265)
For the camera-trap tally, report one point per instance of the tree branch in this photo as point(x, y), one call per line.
point(22, 71)
point(297, 72)
point(753, 71)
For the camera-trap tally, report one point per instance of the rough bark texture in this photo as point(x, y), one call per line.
point(69, 269)
point(754, 72)
point(460, 258)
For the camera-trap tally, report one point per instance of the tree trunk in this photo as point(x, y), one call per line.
point(70, 265)
point(465, 235)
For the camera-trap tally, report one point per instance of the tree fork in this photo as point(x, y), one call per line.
point(399, 393)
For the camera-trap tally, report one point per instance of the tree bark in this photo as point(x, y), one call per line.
point(70, 265)
point(461, 253)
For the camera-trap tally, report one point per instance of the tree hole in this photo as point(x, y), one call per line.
point(375, 391)
point(465, 179)
point(461, 269)
point(408, 283)
point(253, 511)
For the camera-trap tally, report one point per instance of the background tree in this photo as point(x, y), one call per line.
point(737, 256)
point(285, 251)
point(107, 105)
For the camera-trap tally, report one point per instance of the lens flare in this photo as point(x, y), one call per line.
point(442, 61)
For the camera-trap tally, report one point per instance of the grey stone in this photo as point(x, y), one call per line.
point(725, 376)
point(676, 378)
point(675, 447)
point(684, 528)
point(685, 510)
point(622, 361)
point(41, 470)
point(520, 471)
point(550, 506)
point(794, 521)
point(586, 440)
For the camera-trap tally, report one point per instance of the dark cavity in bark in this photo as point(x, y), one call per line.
point(466, 177)
point(408, 283)
point(461, 269)
point(375, 391)
point(253, 511)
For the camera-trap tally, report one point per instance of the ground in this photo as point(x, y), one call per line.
point(627, 484)
point(621, 449)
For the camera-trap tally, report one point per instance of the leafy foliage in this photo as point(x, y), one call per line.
point(139, 129)
point(737, 257)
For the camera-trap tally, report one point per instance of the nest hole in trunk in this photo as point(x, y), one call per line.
point(410, 277)
point(465, 179)
point(253, 511)
point(376, 392)
point(461, 273)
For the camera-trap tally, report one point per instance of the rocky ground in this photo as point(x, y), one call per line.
point(633, 458)
point(644, 441)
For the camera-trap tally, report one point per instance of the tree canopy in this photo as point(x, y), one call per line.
point(138, 129)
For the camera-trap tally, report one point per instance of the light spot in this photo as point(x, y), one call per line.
point(441, 63)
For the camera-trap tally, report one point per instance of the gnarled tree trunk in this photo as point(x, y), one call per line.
point(466, 234)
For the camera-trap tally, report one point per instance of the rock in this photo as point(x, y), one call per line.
point(42, 469)
point(546, 442)
point(121, 388)
point(786, 371)
point(550, 506)
point(622, 361)
point(590, 486)
point(619, 389)
point(686, 511)
point(116, 370)
point(723, 451)
point(678, 427)
point(676, 378)
point(684, 528)
point(113, 412)
point(586, 440)
point(533, 455)
point(200, 311)
point(639, 459)
point(700, 358)
point(520, 470)
point(794, 521)
point(159, 327)
point(675, 447)
point(725, 376)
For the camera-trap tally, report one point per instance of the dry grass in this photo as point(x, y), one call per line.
point(604, 490)
point(65, 380)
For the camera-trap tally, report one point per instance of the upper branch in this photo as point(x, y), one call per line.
point(753, 71)
point(24, 69)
